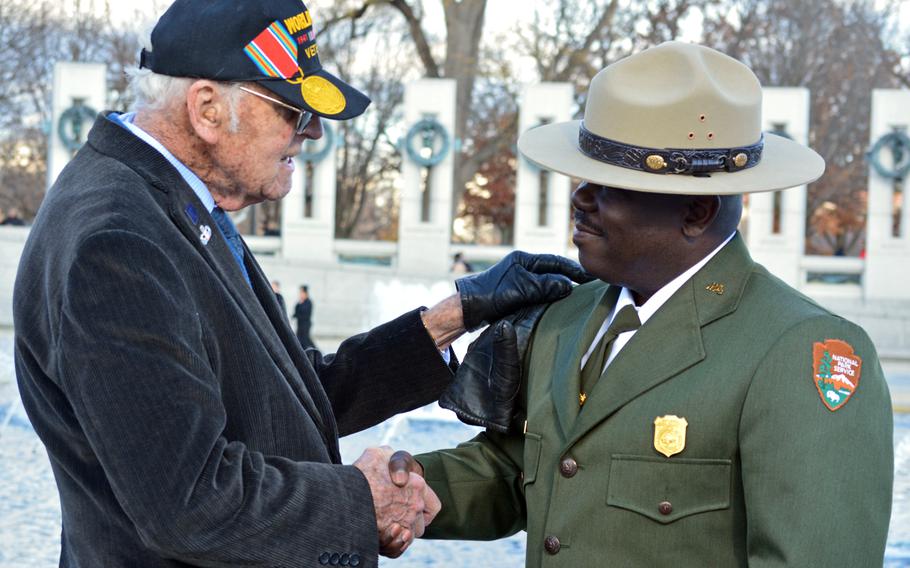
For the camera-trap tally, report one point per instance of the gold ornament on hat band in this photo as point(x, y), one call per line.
point(680, 161)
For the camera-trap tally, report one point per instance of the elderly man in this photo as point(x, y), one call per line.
point(690, 409)
point(184, 422)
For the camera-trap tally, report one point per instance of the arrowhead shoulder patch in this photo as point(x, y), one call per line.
point(837, 372)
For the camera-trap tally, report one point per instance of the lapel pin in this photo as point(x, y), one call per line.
point(205, 234)
point(191, 213)
point(715, 287)
point(670, 434)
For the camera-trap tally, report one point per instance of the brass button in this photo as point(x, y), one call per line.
point(655, 162)
point(740, 160)
point(551, 544)
point(568, 467)
point(665, 507)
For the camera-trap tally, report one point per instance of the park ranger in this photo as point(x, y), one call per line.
point(688, 408)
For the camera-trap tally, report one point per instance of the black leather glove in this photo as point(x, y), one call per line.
point(520, 279)
point(485, 389)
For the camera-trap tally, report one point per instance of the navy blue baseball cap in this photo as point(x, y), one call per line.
point(269, 42)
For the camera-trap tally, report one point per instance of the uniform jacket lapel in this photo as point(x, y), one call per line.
point(571, 345)
point(671, 340)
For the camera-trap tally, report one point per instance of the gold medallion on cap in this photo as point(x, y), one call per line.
point(655, 162)
point(670, 434)
point(322, 95)
point(740, 160)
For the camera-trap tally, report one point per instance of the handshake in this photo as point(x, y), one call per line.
point(484, 389)
point(403, 502)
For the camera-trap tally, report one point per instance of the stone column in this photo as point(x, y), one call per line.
point(308, 211)
point(79, 93)
point(425, 221)
point(777, 220)
point(887, 253)
point(542, 197)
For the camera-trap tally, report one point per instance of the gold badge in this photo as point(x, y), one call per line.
point(670, 434)
point(322, 96)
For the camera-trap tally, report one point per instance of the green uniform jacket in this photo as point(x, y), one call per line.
point(769, 476)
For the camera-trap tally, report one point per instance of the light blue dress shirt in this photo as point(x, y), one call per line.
point(197, 185)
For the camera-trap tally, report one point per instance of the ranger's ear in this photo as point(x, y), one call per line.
point(701, 211)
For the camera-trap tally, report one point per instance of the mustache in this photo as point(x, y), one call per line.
point(583, 223)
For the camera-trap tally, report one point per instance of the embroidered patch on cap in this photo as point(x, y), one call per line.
point(837, 371)
point(274, 51)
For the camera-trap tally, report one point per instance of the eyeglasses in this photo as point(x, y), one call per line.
point(304, 117)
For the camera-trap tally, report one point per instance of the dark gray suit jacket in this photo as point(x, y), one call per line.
point(184, 423)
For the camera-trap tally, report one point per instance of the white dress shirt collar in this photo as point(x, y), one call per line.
point(649, 308)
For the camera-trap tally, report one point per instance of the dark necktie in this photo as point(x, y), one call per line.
point(625, 320)
point(232, 237)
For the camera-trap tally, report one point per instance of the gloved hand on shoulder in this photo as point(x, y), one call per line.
point(518, 280)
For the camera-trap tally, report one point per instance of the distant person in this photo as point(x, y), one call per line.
point(272, 229)
point(460, 265)
point(276, 287)
point(13, 218)
point(303, 313)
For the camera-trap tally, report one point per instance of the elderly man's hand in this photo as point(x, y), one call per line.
point(403, 509)
point(518, 280)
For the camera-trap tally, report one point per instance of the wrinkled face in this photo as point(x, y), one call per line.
point(627, 238)
point(255, 163)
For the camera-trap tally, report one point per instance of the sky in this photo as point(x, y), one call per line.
point(501, 15)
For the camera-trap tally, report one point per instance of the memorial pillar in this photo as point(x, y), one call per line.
point(425, 215)
point(777, 219)
point(79, 94)
point(308, 211)
point(887, 221)
point(542, 197)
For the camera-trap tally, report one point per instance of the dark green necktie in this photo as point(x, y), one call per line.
point(625, 320)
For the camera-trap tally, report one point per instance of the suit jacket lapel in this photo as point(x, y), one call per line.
point(671, 340)
point(571, 345)
point(189, 215)
point(290, 357)
point(218, 255)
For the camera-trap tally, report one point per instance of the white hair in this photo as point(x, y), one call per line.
point(154, 92)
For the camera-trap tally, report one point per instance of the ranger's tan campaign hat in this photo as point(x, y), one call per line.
point(677, 118)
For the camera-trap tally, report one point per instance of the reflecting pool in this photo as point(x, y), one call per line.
point(30, 510)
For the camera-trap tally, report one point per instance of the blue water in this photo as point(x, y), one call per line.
point(30, 509)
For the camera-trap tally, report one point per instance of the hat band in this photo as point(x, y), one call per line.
point(697, 162)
